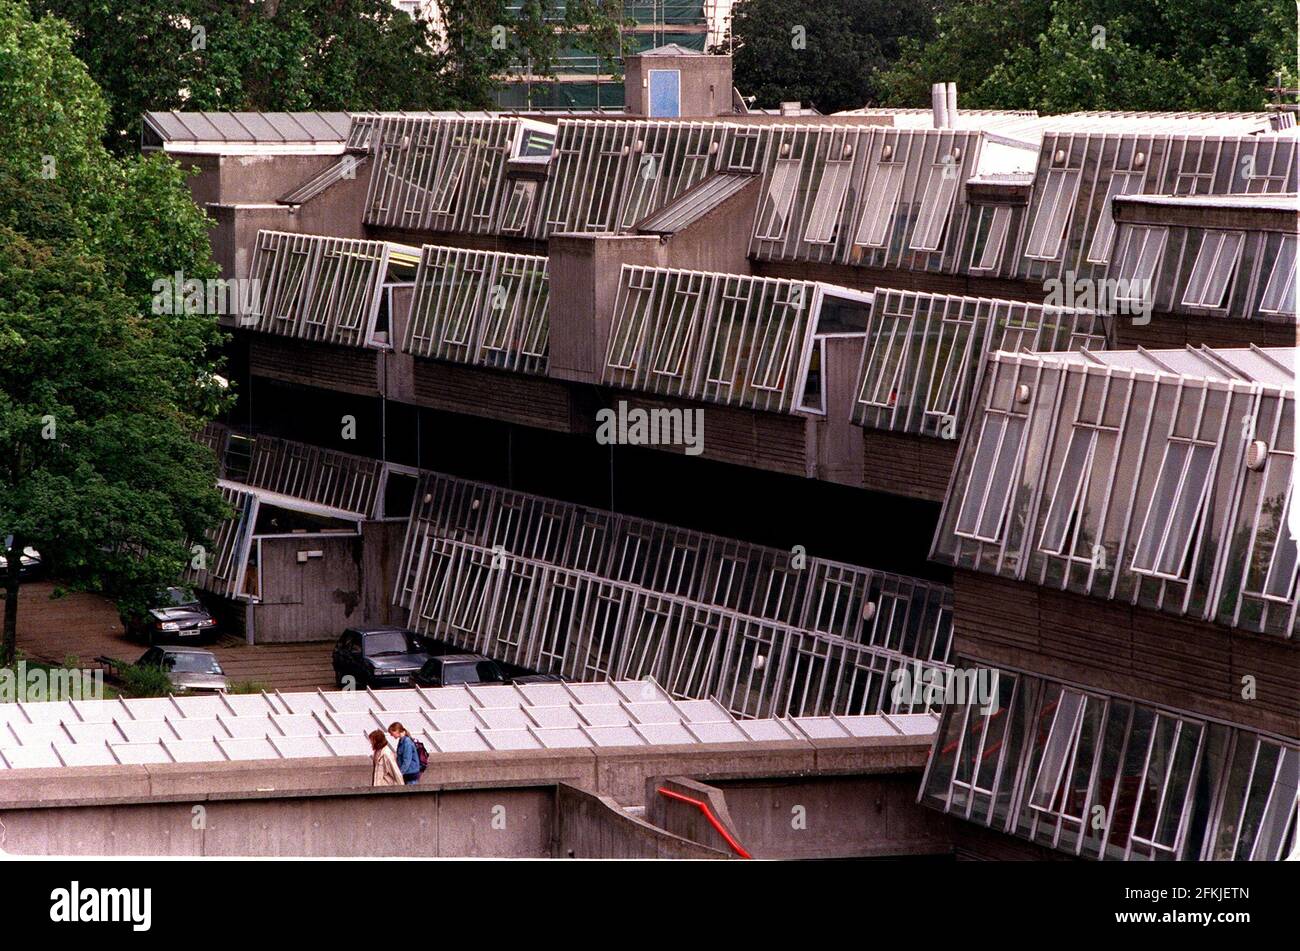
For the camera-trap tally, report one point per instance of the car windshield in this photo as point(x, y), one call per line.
point(390, 642)
point(459, 673)
point(176, 597)
point(193, 664)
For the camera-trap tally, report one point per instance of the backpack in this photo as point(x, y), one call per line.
point(422, 754)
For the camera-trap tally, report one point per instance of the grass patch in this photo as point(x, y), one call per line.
point(143, 681)
point(248, 686)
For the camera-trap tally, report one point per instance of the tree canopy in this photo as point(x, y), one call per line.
point(100, 399)
point(828, 54)
point(1068, 55)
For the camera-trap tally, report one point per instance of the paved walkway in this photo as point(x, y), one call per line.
point(79, 627)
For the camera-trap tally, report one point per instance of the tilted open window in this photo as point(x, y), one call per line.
point(1174, 517)
point(988, 490)
point(1055, 206)
point(1212, 272)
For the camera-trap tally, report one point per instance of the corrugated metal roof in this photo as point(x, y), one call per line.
point(1272, 366)
point(249, 127)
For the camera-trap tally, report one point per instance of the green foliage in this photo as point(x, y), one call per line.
point(99, 399)
point(258, 55)
point(1067, 55)
point(145, 681)
point(249, 686)
point(829, 54)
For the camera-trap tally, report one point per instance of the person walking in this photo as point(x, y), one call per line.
point(408, 758)
point(386, 771)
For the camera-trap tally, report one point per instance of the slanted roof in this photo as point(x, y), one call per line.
point(214, 131)
point(672, 49)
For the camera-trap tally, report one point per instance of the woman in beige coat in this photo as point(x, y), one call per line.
point(386, 771)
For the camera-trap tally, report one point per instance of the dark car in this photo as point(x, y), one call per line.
point(176, 616)
point(450, 670)
point(190, 671)
point(378, 657)
point(532, 678)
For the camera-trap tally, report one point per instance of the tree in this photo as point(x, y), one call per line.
point(826, 54)
point(100, 400)
point(1068, 55)
point(257, 55)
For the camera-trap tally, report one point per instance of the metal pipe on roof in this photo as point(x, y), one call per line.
point(950, 92)
point(939, 105)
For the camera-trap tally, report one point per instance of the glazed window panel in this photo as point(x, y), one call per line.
point(774, 209)
point(829, 202)
point(1271, 566)
point(1174, 516)
point(777, 334)
point(885, 360)
point(444, 195)
point(287, 289)
point(936, 206)
point(1212, 271)
point(1073, 518)
point(1055, 206)
point(1258, 819)
point(1138, 264)
point(519, 206)
point(1279, 294)
point(990, 237)
point(1121, 183)
point(988, 490)
point(882, 196)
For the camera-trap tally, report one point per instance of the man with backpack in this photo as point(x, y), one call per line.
point(412, 759)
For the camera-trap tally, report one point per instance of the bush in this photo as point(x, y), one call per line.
point(248, 686)
point(145, 681)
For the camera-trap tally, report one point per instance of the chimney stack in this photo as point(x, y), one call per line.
point(951, 91)
point(939, 104)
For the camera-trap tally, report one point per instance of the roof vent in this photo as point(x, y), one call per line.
point(939, 105)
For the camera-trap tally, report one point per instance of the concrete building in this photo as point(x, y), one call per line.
point(770, 408)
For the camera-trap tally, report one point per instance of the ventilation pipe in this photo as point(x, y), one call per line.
point(951, 91)
point(939, 103)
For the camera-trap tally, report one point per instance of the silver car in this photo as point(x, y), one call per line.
point(190, 670)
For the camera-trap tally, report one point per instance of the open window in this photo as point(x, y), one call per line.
point(1121, 183)
point(990, 237)
point(1138, 266)
point(828, 203)
point(988, 490)
point(936, 204)
point(1073, 518)
point(519, 205)
point(397, 495)
point(1052, 218)
point(774, 208)
point(882, 194)
point(1279, 294)
point(1175, 515)
point(1212, 272)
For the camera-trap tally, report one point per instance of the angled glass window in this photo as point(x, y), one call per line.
point(1279, 295)
point(1173, 517)
point(1055, 205)
point(676, 331)
point(984, 503)
point(884, 367)
point(881, 202)
point(990, 237)
point(828, 203)
point(774, 209)
point(1212, 272)
point(286, 292)
point(444, 195)
point(776, 338)
point(1271, 566)
point(936, 205)
point(1258, 818)
point(1138, 264)
point(742, 151)
point(1121, 183)
point(1073, 517)
point(1059, 795)
point(518, 206)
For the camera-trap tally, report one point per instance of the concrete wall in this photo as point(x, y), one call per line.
point(705, 85)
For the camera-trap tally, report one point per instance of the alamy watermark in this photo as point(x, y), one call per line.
point(178, 294)
point(1108, 295)
point(23, 684)
point(920, 687)
point(624, 426)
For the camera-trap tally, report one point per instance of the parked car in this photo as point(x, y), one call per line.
point(533, 678)
point(190, 670)
point(175, 616)
point(450, 670)
point(379, 657)
point(29, 563)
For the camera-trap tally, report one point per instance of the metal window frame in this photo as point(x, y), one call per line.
point(1005, 417)
point(995, 238)
point(1282, 280)
point(882, 196)
point(777, 201)
point(1195, 530)
point(1208, 283)
point(828, 203)
point(1051, 223)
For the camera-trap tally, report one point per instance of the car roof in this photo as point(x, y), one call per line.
point(447, 658)
point(378, 629)
point(183, 650)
